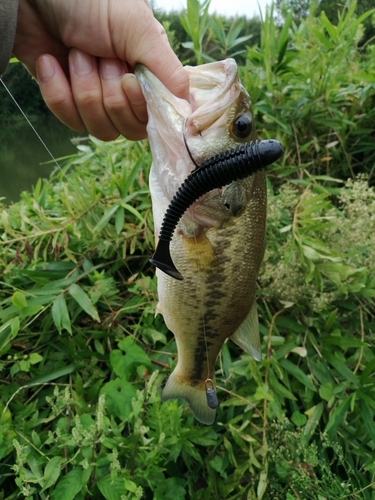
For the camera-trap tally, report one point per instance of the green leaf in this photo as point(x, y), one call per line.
point(170, 489)
point(368, 371)
point(298, 374)
point(134, 212)
point(336, 417)
point(111, 489)
point(108, 214)
point(36, 439)
point(19, 300)
point(324, 40)
point(8, 330)
point(263, 483)
point(368, 419)
point(69, 486)
point(53, 375)
point(314, 414)
point(84, 301)
point(343, 342)
point(49, 271)
point(326, 391)
point(60, 314)
point(24, 365)
point(340, 366)
point(332, 30)
point(118, 397)
point(35, 358)
point(125, 365)
point(278, 388)
point(130, 485)
point(299, 419)
point(263, 393)
point(52, 471)
point(119, 220)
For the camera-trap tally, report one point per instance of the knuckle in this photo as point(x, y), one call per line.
point(87, 98)
point(114, 104)
point(57, 103)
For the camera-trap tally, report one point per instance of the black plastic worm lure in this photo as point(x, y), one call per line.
point(222, 169)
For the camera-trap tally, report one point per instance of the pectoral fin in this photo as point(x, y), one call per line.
point(247, 334)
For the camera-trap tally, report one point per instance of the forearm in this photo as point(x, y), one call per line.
point(8, 21)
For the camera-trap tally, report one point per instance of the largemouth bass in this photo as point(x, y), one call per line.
point(219, 241)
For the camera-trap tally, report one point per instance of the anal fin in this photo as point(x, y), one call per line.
point(247, 334)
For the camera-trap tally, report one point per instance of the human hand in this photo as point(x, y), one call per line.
point(82, 54)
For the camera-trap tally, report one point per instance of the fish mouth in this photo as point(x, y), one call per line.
point(210, 91)
point(179, 124)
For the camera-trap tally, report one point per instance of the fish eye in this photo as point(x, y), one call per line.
point(242, 126)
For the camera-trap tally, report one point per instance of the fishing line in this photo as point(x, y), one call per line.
point(199, 269)
point(202, 310)
point(31, 125)
point(186, 144)
point(55, 161)
point(211, 397)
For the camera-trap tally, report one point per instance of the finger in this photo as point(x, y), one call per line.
point(116, 102)
point(88, 95)
point(135, 96)
point(57, 93)
point(147, 43)
point(163, 62)
point(148, 4)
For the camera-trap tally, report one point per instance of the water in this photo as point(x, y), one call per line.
point(23, 159)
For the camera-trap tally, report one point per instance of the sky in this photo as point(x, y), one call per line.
point(227, 8)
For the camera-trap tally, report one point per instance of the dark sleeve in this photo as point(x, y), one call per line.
point(8, 21)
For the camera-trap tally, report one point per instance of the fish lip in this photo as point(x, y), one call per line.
point(152, 86)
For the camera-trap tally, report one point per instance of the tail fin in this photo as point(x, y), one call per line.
point(196, 398)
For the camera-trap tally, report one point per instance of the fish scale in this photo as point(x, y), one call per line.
point(217, 251)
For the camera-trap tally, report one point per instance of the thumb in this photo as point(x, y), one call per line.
point(146, 42)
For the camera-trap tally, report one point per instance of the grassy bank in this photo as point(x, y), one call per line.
point(82, 357)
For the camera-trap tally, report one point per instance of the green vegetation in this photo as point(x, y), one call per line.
point(25, 90)
point(82, 357)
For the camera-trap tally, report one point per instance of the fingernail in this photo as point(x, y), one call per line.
point(45, 68)
point(82, 63)
point(111, 68)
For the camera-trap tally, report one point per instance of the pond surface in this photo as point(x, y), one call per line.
point(23, 158)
